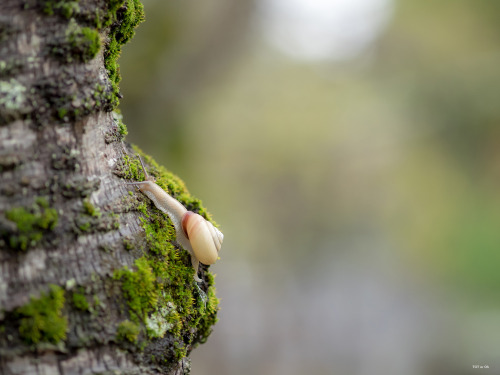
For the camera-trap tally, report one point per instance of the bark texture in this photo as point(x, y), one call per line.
point(91, 278)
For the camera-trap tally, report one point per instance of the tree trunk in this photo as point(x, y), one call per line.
point(91, 278)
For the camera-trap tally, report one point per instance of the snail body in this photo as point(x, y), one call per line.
point(195, 234)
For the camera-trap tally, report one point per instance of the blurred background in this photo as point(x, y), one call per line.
point(350, 151)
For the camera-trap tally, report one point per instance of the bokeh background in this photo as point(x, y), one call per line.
point(350, 151)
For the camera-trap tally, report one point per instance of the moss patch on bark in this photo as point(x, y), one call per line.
point(160, 290)
point(41, 320)
point(31, 224)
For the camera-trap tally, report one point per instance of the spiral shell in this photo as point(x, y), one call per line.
point(205, 239)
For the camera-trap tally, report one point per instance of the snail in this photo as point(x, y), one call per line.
point(195, 234)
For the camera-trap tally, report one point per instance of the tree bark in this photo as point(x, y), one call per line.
point(91, 278)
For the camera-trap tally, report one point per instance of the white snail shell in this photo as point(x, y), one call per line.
point(205, 239)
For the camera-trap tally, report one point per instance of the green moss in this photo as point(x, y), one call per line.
point(128, 331)
point(92, 220)
point(162, 295)
point(90, 210)
point(139, 289)
point(62, 112)
point(88, 42)
point(207, 320)
point(124, 16)
point(118, 131)
point(48, 7)
point(128, 244)
point(114, 221)
point(31, 223)
point(122, 129)
point(41, 320)
point(80, 301)
point(102, 97)
point(68, 8)
point(79, 44)
point(84, 226)
point(181, 308)
point(64, 7)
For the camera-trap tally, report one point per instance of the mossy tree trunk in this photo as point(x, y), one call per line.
point(91, 278)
